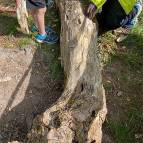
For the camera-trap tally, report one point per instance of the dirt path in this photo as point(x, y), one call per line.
point(26, 89)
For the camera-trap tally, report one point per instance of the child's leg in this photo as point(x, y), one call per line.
point(38, 9)
point(40, 19)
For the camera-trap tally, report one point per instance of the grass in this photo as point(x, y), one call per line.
point(107, 47)
point(133, 56)
point(126, 69)
point(53, 52)
point(8, 24)
point(121, 132)
point(10, 36)
point(23, 42)
point(124, 131)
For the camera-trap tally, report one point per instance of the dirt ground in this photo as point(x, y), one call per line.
point(123, 83)
point(29, 81)
point(26, 89)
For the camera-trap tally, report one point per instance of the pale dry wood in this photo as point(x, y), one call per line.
point(22, 16)
point(77, 117)
point(6, 9)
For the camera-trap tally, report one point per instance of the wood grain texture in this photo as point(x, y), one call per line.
point(22, 16)
point(78, 115)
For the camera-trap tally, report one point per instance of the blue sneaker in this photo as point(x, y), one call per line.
point(40, 38)
point(49, 39)
point(48, 29)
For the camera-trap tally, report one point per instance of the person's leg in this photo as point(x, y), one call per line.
point(37, 9)
point(40, 19)
point(42, 35)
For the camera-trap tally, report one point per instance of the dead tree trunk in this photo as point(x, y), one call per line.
point(78, 115)
point(22, 16)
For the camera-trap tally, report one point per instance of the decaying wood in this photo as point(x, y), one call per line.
point(22, 16)
point(6, 9)
point(78, 115)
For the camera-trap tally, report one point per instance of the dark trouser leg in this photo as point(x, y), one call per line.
point(111, 16)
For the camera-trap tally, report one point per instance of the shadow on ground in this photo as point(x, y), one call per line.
point(41, 91)
point(36, 79)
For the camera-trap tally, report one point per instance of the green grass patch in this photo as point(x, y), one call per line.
point(53, 52)
point(8, 24)
point(132, 60)
point(23, 42)
point(121, 132)
point(126, 69)
point(124, 131)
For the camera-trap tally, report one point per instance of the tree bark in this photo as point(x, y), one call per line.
point(22, 16)
point(78, 115)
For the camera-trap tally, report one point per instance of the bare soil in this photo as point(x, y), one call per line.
point(26, 89)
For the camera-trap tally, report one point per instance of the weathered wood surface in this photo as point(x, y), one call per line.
point(6, 9)
point(78, 115)
point(22, 16)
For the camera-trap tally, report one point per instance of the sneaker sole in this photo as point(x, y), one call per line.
point(53, 42)
point(39, 41)
point(44, 41)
